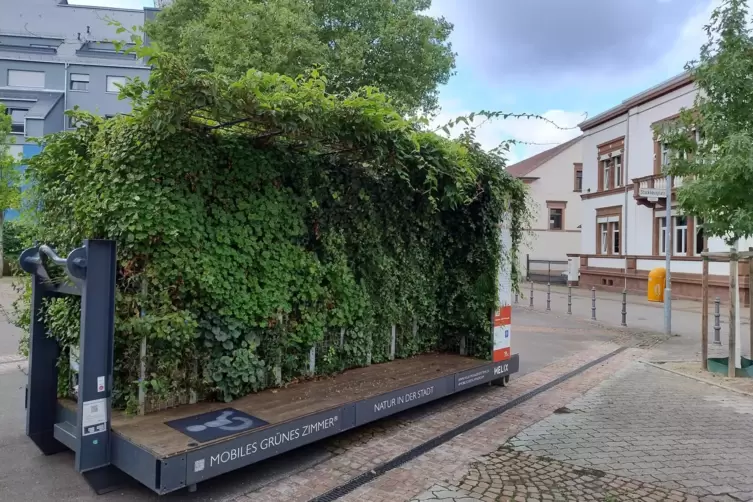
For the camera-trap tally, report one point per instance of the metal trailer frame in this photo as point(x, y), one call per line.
point(103, 456)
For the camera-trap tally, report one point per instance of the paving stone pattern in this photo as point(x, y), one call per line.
point(368, 448)
point(509, 475)
point(656, 427)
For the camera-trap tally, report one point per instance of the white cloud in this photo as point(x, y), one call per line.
point(692, 36)
point(536, 135)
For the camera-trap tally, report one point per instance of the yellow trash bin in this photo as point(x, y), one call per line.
point(657, 279)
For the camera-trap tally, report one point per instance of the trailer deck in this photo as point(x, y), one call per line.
point(276, 406)
point(179, 447)
point(165, 459)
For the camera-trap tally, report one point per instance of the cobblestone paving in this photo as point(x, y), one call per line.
point(508, 475)
point(656, 427)
point(374, 446)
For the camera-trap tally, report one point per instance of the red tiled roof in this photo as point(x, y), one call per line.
point(525, 167)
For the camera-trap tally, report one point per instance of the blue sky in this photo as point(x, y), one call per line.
point(559, 59)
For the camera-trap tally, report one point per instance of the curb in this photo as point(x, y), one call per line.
point(725, 387)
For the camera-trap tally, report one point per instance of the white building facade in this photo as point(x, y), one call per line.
point(624, 201)
point(554, 179)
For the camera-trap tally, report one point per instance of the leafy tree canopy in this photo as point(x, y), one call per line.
point(259, 216)
point(717, 161)
point(10, 177)
point(391, 44)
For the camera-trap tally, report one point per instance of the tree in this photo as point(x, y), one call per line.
point(389, 44)
point(712, 143)
point(10, 177)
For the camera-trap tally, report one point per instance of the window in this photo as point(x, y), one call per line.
point(611, 172)
point(578, 183)
point(699, 237)
point(663, 236)
point(665, 155)
point(615, 237)
point(681, 235)
point(555, 219)
point(556, 214)
point(79, 82)
point(617, 164)
point(113, 83)
point(608, 236)
point(23, 78)
point(17, 119)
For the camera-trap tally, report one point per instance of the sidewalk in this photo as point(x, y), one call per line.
point(644, 315)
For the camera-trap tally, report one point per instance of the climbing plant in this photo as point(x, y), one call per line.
point(255, 216)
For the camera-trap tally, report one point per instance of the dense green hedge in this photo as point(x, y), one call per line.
point(256, 218)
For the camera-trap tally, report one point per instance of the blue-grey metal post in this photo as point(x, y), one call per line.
point(569, 299)
point(624, 308)
point(548, 296)
point(717, 323)
point(96, 358)
point(593, 303)
point(41, 387)
point(530, 297)
point(516, 297)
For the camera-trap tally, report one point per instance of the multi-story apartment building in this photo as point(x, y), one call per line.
point(625, 201)
point(55, 56)
point(555, 180)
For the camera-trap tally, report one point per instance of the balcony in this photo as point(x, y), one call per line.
point(650, 190)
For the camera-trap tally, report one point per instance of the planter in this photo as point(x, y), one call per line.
point(720, 365)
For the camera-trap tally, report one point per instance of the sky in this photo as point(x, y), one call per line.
point(564, 60)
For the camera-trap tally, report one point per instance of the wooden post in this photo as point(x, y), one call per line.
point(705, 313)
point(731, 363)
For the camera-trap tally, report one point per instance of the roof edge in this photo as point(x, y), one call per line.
point(649, 94)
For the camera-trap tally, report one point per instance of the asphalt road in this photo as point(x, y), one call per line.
point(27, 475)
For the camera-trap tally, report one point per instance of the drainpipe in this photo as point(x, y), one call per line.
point(65, 97)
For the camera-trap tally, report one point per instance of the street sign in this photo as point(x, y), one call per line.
point(652, 192)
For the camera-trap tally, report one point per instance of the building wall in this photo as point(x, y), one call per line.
point(48, 21)
point(631, 268)
point(72, 27)
point(556, 183)
point(97, 99)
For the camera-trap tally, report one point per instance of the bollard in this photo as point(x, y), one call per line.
point(530, 297)
point(569, 299)
point(548, 296)
point(717, 324)
point(624, 307)
point(593, 303)
point(516, 298)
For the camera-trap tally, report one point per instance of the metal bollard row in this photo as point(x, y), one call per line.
point(623, 311)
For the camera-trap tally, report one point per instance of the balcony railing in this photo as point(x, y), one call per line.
point(649, 189)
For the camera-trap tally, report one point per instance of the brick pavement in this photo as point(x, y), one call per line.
point(509, 475)
point(655, 427)
point(448, 462)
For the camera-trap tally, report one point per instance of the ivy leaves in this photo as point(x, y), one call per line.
point(255, 218)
